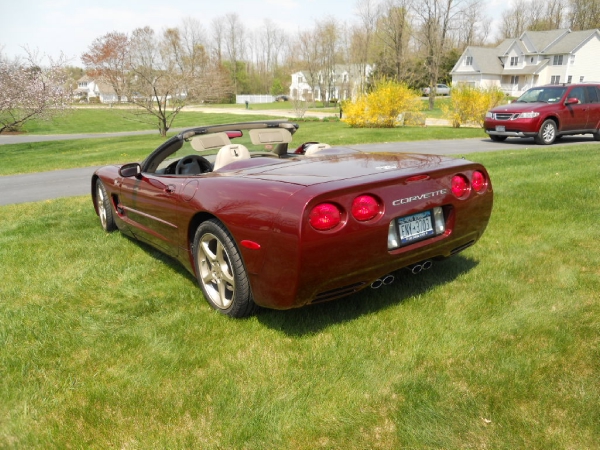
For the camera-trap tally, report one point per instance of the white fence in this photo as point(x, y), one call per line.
point(254, 99)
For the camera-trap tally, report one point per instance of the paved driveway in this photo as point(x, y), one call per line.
point(71, 182)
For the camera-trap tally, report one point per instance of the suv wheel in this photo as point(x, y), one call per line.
point(547, 133)
point(596, 135)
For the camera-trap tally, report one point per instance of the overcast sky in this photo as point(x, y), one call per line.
point(69, 26)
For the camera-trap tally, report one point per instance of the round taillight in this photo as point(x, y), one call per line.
point(460, 186)
point(325, 216)
point(365, 207)
point(478, 181)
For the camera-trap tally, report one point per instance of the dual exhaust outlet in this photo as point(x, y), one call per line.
point(414, 269)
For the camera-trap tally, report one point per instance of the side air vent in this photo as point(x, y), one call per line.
point(339, 292)
point(462, 247)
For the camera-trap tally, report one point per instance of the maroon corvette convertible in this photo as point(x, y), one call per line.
point(260, 222)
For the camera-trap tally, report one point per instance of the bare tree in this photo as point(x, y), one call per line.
point(515, 20)
point(234, 37)
point(362, 35)
point(107, 61)
point(327, 35)
point(394, 30)
point(32, 90)
point(436, 21)
point(161, 78)
point(218, 37)
point(308, 49)
point(473, 26)
point(584, 14)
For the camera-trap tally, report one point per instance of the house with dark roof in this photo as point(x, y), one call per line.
point(535, 58)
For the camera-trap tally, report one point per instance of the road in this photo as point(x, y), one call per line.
point(71, 182)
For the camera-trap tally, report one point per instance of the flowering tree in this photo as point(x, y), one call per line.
point(31, 91)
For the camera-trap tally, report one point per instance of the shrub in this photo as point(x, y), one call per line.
point(469, 104)
point(384, 107)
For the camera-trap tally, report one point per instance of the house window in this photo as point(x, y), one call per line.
point(555, 79)
point(531, 60)
point(558, 60)
point(469, 61)
point(514, 60)
point(581, 79)
point(514, 80)
point(569, 79)
point(572, 59)
point(300, 80)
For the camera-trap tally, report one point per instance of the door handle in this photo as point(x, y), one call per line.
point(170, 189)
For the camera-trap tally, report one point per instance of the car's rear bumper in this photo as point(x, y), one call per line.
point(521, 134)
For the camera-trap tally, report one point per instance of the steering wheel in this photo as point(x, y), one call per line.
point(192, 165)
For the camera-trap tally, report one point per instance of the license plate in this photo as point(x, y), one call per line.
point(415, 227)
point(500, 128)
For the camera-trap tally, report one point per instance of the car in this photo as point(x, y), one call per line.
point(440, 89)
point(546, 113)
point(282, 98)
point(263, 223)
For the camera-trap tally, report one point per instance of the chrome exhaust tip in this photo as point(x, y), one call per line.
point(415, 268)
point(423, 265)
point(388, 279)
point(377, 283)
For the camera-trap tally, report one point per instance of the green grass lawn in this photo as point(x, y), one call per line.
point(53, 155)
point(106, 343)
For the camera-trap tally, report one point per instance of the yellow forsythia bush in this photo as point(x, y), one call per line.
point(384, 107)
point(469, 104)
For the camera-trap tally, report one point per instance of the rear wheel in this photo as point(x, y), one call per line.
point(497, 138)
point(220, 271)
point(596, 135)
point(547, 133)
point(105, 212)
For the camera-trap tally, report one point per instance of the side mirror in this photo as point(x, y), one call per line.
point(130, 170)
point(572, 101)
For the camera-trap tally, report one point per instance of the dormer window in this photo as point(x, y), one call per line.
point(469, 61)
point(514, 60)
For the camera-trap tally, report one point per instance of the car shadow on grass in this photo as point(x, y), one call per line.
point(315, 318)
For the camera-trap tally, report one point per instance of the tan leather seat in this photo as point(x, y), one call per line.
point(230, 153)
point(314, 149)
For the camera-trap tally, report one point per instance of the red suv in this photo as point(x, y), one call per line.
point(546, 113)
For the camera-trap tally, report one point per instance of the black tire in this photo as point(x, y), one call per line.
point(220, 271)
point(105, 212)
point(596, 135)
point(547, 133)
point(497, 138)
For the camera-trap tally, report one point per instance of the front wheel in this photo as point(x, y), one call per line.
point(547, 133)
point(596, 136)
point(220, 271)
point(497, 138)
point(105, 212)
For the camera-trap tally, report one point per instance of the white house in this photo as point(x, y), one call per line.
point(345, 82)
point(535, 58)
point(88, 88)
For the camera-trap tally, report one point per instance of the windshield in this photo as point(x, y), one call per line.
point(543, 94)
